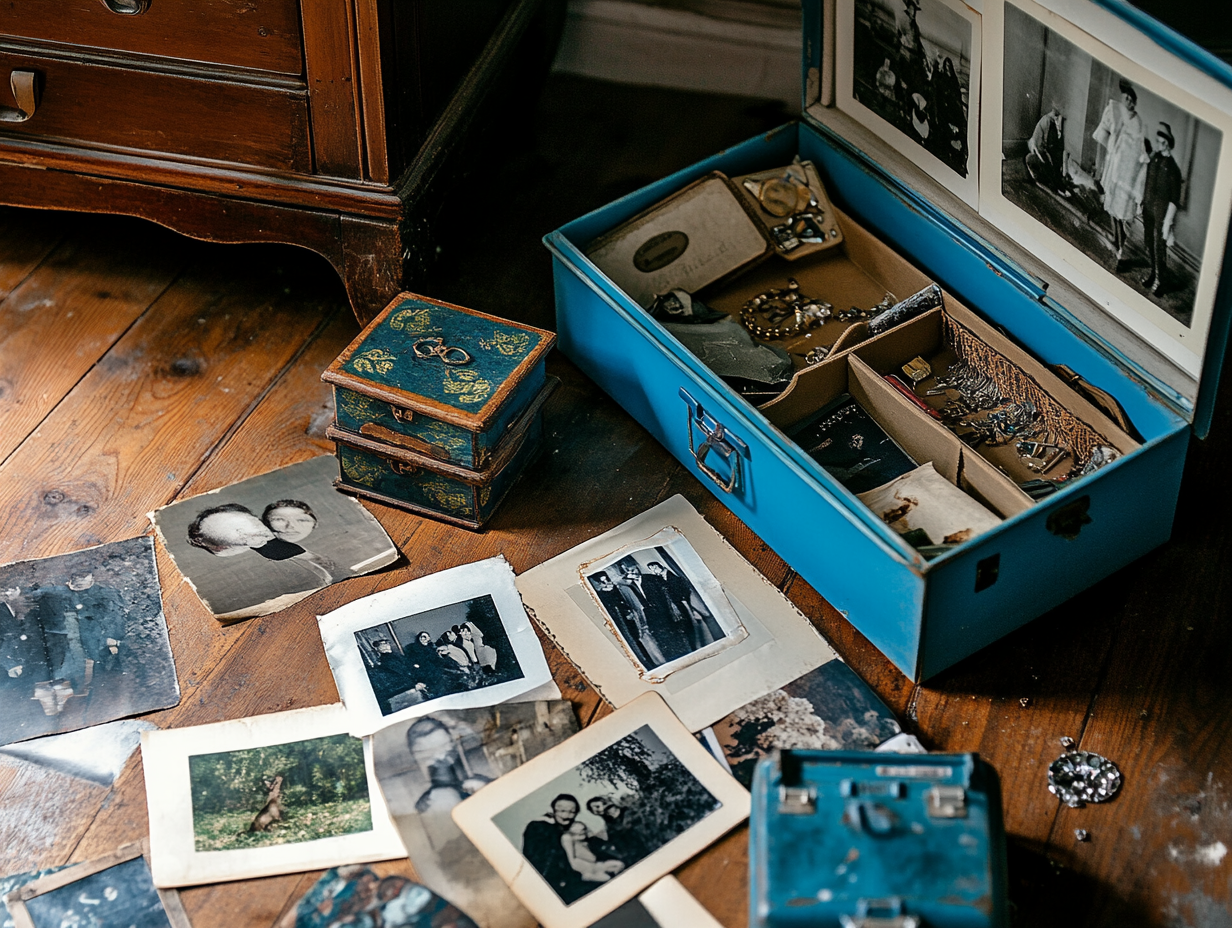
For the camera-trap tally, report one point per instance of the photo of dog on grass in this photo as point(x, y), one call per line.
point(279, 794)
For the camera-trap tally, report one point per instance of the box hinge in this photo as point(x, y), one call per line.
point(946, 802)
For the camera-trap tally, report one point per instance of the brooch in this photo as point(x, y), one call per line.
point(787, 312)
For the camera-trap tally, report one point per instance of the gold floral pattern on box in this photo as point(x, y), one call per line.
point(359, 469)
point(507, 343)
point(468, 386)
point(414, 321)
point(445, 495)
point(374, 361)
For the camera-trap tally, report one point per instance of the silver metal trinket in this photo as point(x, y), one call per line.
point(1078, 777)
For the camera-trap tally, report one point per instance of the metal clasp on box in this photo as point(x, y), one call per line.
point(718, 440)
point(879, 913)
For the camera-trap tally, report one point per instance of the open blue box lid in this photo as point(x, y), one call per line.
point(1077, 55)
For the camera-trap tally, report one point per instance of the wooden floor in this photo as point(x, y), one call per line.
point(138, 367)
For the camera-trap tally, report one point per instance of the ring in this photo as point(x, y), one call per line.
point(427, 348)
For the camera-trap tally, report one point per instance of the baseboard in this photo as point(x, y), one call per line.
point(633, 43)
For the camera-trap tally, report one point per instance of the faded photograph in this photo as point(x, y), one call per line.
point(828, 709)
point(279, 794)
point(911, 66)
point(359, 897)
point(83, 640)
point(591, 823)
point(451, 649)
point(1125, 176)
point(121, 896)
point(661, 609)
point(264, 543)
point(429, 765)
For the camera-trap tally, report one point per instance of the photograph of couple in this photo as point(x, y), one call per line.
point(598, 819)
point(657, 611)
point(260, 545)
point(451, 649)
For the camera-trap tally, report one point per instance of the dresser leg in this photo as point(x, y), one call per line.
point(373, 259)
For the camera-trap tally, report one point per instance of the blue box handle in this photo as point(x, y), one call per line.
point(718, 440)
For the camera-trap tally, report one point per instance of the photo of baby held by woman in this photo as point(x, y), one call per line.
point(257, 546)
point(451, 649)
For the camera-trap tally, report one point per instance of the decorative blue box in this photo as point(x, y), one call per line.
point(906, 840)
point(925, 615)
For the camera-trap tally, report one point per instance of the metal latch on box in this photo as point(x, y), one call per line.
point(946, 802)
point(879, 913)
point(795, 796)
point(717, 439)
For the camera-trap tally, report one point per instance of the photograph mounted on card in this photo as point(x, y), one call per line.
point(583, 828)
point(456, 639)
point(662, 603)
point(265, 543)
point(1115, 176)
point(596, 623)
point(910, 71)
point(428, 765)
point(275, 793)
point(114, 891)
point(359, 897)
point(83, 640)
point(700, 235)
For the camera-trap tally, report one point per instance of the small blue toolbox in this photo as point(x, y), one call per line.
point(852, 839)
point(1136, 356)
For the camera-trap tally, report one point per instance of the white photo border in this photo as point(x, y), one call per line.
point(966, 188)
point(1184, 346)
point(475, 815)
point(174, 859)
point(702, 580)
point(493, 577)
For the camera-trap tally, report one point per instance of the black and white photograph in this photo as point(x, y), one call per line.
point(910, 71)
point(450, 649)
point(455, 639)
point(663, 604)
point(259, 796)
point(604, 815)
point(428, 765)
point(115, 891)
point(83, 640)
point(767, 644)
point(1116, 171)
point(262, 544)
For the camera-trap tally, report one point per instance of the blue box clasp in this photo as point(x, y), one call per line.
point(727, 446)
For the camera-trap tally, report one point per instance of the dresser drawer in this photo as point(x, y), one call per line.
point(110, 107)
point(261, 34)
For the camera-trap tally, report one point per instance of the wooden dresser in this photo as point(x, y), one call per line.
point(322, 123)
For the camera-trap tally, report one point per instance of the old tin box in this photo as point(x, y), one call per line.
point(849, 838)
point(923, 615)
point(423, 484)
point(437, 379)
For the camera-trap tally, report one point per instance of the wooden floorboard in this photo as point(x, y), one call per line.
point(138, 367)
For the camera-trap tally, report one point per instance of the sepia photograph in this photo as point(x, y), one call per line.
point(776, 646)
point(602, 816)
point(262, 544)
point(663, 604)
point(359, 897)
point(115, 891)
point(270, 794)
point(455, 639)
point(1115, 170)
point(828, 709)
point(83, 640)
point(428, 765)
point(909, 70)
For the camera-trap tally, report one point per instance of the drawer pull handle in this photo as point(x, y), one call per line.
point(25, 92)
point(718, 440)
point(126, 7)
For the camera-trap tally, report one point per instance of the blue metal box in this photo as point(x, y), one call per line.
point(923, 615)
point(845, 838)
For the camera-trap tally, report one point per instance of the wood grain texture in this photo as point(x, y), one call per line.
point(333, 86)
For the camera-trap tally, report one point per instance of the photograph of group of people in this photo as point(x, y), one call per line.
point(262, 544)
point(451, 649)
point(914, 67)
point(83, 640)
point(1116, 170)
point(656, 610)
point(599, 818)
